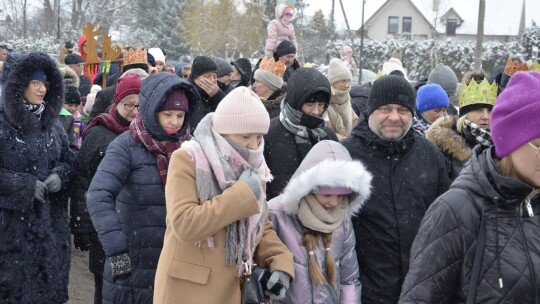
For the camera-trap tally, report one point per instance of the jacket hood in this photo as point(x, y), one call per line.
point(443, 134)
point(70, 74)
point(328, 163)
point(154, 90)
point(360, 90)
point(482, 177)
point(82, 40)
point(302, 84)
point(17, 74)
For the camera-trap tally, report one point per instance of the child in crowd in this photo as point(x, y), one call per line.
point(280, 29)
point(313, 218)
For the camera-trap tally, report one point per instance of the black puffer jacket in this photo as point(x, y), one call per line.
point(447, 240)
point(408, 175)
point(359, 97)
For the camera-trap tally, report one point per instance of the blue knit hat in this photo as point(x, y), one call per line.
point(431, 96)
point(39, 75)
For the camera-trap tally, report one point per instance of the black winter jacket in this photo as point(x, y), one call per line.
point(282, 153)
point(447, 239)
point(104, 99)
point(205, 105)
point(408, 175)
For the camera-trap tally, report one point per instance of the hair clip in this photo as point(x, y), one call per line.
point(311, 253)
point(327, 249)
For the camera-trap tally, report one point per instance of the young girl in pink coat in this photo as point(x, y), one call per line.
point(280, 29)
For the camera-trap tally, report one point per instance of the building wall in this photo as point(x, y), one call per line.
point(378, 27)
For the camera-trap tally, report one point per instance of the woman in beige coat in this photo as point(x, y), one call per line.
point(217, 217)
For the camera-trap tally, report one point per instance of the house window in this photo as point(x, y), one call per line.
point(451, 25)
point(407, 24)
point(393, 24)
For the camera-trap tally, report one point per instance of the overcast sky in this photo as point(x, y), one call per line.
point(354, 10)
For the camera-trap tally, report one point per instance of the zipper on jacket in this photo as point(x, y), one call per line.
point(526, 204)
point(528, 256)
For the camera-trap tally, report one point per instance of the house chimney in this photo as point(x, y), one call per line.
point(436, 4)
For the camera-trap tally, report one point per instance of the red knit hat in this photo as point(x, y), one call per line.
point(129, 84)
point(176, 100)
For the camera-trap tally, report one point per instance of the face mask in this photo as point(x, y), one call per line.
point(171, 131)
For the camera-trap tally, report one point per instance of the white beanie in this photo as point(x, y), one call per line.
point(157, 54)
point(241, 112)
point(338, 71)
point(271, 80)
point(90, 98)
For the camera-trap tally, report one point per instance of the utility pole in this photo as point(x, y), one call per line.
point(361, 61)
point(479, 35)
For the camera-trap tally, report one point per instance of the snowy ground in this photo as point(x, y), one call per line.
point(81, 281)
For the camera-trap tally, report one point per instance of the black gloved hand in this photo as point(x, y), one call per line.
point(53, 182)
point(278, 278)
point(81, 241)
point(40, 191)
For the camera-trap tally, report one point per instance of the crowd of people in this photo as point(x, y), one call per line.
point(180, 180)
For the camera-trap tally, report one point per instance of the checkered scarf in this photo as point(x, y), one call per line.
point(477, 134)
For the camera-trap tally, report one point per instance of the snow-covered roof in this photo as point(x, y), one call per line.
point(502, 17)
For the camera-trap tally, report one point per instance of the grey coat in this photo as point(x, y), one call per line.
point(328, 163)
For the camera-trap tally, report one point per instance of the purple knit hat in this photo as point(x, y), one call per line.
point(331, 190)
point(515, 119)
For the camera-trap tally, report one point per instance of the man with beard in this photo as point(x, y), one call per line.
point(408, 174)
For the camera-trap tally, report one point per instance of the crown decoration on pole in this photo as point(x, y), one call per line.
point(109, 54)
point(272, 66)
point(535, 67)
point(477, 93)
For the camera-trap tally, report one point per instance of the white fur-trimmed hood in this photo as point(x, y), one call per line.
point(329, 172)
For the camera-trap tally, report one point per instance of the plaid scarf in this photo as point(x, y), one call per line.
point(111, 120)
point(161, 149)
point(218, 166)
point(477, 134)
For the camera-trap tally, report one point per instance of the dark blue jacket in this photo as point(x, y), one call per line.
point(34, 236)
point(126, 198)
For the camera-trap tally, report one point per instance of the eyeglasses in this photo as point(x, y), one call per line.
point(130, 107)
point(536, 148)
point(37, 84)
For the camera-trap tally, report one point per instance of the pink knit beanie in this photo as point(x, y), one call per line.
point(241, 112)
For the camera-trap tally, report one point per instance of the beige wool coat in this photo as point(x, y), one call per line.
point(191, 272)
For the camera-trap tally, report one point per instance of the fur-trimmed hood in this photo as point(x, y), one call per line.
point(443, 134)
point(70, 74)
point(328, 163)
point(17, 74)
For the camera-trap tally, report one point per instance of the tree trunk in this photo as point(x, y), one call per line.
point(49, 16)
point(333, 22)
point(480, 35)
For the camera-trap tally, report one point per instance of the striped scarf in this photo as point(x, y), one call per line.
point(161, 149)
point(218, 167)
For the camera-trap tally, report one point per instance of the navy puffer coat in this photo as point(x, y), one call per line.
point(126, 199)
point(34, 237)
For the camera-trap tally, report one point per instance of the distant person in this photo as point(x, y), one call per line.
point(241, 72)
point(394, 64)
point(3, 52)
point(280, 29)
point(348, 59)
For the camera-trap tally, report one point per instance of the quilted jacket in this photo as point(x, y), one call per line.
point(447, 238)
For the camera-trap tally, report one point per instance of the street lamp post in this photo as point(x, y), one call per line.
point(361, 61)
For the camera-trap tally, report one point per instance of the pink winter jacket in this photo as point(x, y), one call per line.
point(277, 32)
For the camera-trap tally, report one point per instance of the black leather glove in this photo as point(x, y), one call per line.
point(253, 181)
point(53, 182)
point(81, 241)
point(40, 191)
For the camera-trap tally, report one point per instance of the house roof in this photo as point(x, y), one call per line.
point(502, 18)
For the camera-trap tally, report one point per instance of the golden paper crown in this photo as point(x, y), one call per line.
point(477, 93)
point(137, 56)
point(514, 65)
point(535, 67)
point(380, 74)
point(272, 66)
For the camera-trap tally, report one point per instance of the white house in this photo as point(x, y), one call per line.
point(445, 19)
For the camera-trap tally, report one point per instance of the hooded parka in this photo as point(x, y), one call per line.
point(126, 199)
point(34, 237)
point(447, 240)
point(327, 164)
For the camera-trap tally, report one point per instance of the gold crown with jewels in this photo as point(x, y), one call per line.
point(138, 56)
point(272, 66)
point(477, 93)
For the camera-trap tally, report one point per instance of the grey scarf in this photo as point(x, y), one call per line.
point(312, 214)
point(291, 120)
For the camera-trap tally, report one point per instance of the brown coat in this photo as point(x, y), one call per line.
point(192, 273)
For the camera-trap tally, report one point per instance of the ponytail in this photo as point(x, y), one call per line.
point(310, 241)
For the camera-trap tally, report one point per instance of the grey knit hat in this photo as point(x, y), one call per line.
point(445, 77)
point(271, 80)
point(223, 67)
